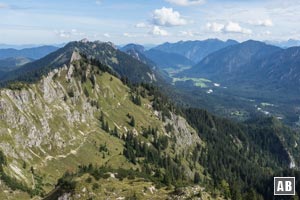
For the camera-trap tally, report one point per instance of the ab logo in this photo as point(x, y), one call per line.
point(284, 185)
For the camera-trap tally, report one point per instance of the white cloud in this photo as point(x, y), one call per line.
point(268, 32)
point(107, 35)
point(141, 25)
point(266, 23)
point(167, 17)
point(129, 35)
point(215, 27)
point(68, 34)
point(230, 27)
point(186, 2)
point(158, 31)
point(187, 33)
point(63, 34)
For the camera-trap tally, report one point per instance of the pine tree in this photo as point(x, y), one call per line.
point(86, 92)
point(106, 127)
point(93, 81)
point(196, 178)
point(167, 179)
point(24, 165)
point(115, 132)
point(103, 124)
point(132, 122)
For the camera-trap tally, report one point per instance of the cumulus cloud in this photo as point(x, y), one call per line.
point(167, 17)
point(265, 23)
point(215, 27)
point(158, 31)
point(230, 27)
point(186, 2)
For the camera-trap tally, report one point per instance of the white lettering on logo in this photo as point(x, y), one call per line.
point(288, 186)
point(280, 187)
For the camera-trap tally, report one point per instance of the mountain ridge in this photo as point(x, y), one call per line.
point(154, 57)
point(251, 62)
point(120, 62)
point(195, 50)
point(31, 53)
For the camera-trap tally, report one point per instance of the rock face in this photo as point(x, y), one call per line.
point(41, 119)
point(184, 134)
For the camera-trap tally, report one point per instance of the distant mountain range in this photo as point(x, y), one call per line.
point(9, 64)
point(285, 44)
point(179, 54)
point(155, 57)
point(28, 46)
point(120, 63)
point(251, 63)
point(249, 70)
point(195, 50)
point(33, 53)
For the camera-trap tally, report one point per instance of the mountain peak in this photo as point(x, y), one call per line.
point(254, 42)
point(84, 40)
point(132, 46)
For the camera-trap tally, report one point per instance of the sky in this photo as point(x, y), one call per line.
point(147, 21)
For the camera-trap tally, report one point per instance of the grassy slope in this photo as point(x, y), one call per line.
point(79, 141)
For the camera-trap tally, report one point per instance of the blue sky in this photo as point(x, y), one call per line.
point(145, 21)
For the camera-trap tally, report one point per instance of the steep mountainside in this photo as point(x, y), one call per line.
point(232, 60)
point(131, 46)
point(157, 58)
point(120, 62)
point(137, 52)
point(252, 64)
point(33, 53)
point(282, 68)
point(80, 115)
point(195, 50)
point(168, 60)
